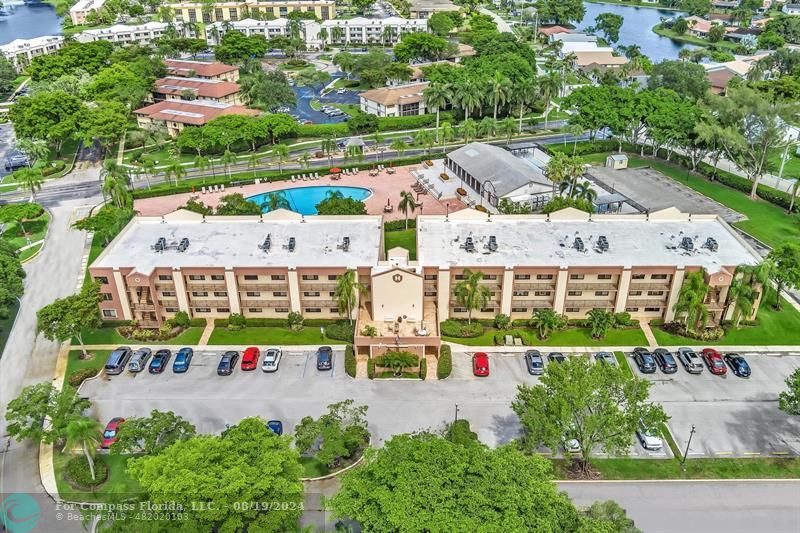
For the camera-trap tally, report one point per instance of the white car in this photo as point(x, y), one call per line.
point(649, 438)
point(272, 358)
point(571, 445)
point(341, 91)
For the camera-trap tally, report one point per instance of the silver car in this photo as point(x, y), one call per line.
point(690, 360)
point(272, 358)
point(138, 360)
point(649, 438)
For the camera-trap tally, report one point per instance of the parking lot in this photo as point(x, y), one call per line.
point(304, 110)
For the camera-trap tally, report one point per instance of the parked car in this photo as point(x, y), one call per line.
point(534, 362)
point(159, 361)
point(324, 358)
point(117, 360)
point(607, 358)
point(644, 360)
point(690, 360)
point(480, 364)
point(276, 426)
point(665, 361)
point(738, 365)
point(250, 358)
point(571, 445)
point(272, 358)
point(714, 362)
point(341, 91)
point(182, 360)
point(649, 438)
point(111, 431)
point(227, 363)
point(556, 357)
point(139, 359)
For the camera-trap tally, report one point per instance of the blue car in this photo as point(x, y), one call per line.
point(182, 360)
point(159, 361)
point(325, 358)
point(276, 426)
point(227, 363)
point(738, 364)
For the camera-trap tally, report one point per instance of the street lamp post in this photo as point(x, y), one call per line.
point(456, 417)
point(688, 443)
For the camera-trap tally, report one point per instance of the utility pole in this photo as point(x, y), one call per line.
point(688, 443)
point(456, 417)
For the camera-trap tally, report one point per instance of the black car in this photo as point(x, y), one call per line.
point(644, 360)
point(534, 362)
point(324, 358)
point(159, 361)
point(556, 357)
point(227, 363)
point(738, 364)
point(665, 361)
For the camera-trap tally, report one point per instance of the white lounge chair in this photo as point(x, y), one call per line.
point(202, 190)
point(294, 178)
point(222, 187)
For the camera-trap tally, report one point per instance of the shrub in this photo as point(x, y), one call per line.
point(136, 155)
point(52, 168)
point(400, 358)
point(500, 338)
point(197, 322)
point(502, 321)
point(707, 334)
point(423, 369)
point(294, 320)
point(79, 376)
point(369, 331)
point(453, 327)
point(181, 320)
point(13, 212)
point(321, 130)
point(77, 472)
point(445, 365)
point(411, 122)
point(399, 225)
point(236, 322)
point(622, 320)
point(362, 123)
point(341, 331)
point(147, 335)
point(350, 361)
point(459, 432)
point(371, 368)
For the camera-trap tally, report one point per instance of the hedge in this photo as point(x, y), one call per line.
point(341, 330)
point(412, 122)
point(16, 212)
point(350, 361)
point(282, 323)
point(54, 167)
point(399, 225)
point(78, 473)
point(117, 323)
point(423, 369)
point(79, 376)
point(445, 365)
point(461, 328)
point(371, 368)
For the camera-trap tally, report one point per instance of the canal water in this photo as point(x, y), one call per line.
point(637, 28)
point(26, 21)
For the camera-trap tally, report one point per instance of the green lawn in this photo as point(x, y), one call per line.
point(686, 38)
point(189, 337)
point(270, 335)
point(728, 468)
point(405, 239)
point(118, 487)
point(792, 167)
point(622, 361)
point(313, 467)
point(567, 337)
point(94, 252)
point(774, 328)
point(6, 323)
point(34, 230)
point(75, 363)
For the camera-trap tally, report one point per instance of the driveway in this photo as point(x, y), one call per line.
point(304, 110)
point(7, 141)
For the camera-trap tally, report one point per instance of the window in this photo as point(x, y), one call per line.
point(109, 313)
point(195, 277)
point(254, 309)
point(544, 276)
point(431, 277)
point(250, 277)
point(232, 13)
point(218, 277)
point(165, 277)
point(332, 277)
point(223, 310)
point(253, 294)
point(459, 276)
point(281, 309)
point(169, 293)
point(459, 309)
point(655, 293)
point(637, 276)
point(325, 13)
point(311, 293)
point(332, 294)
point(519, 309)
point(310, 277)
point(102, 279)
point(107, 296)
point(632, 309)
point(218, 13)
point(313, 310)
point(280, 294)
point(487, 310)
point(522, 276)
point(430, 293)
point(574, 293)
point(520, 293)
point(658, 276)
point(171, 309)
point(635, 293)
point(576, 276)
point(541, 293)
point(490, 277)
point(601, 293)
point(573, 310)
point(333, 310)
point(652, 309)
point(271, 11)
point(200, 293)
point(604, 276)
point(220, 293)
point(202, 310)
point(278, 277)
point(283, 11)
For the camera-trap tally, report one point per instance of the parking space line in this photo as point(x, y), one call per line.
point(779, 453)
point(751, 453)
point(722, 453)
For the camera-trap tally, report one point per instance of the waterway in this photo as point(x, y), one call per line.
point(637, 28)
point(27, 21)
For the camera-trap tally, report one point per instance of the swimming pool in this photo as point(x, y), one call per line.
point(304, 200)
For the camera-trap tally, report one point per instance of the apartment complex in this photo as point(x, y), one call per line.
point(207, 12)
point(20, 52)
point(423, 9)
point(185, 68)
point(400, 101)
point(178, 88)
point(141, 34)
point(175, 115)
point(82, 8)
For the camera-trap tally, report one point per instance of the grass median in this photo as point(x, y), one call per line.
point(567, 337)
point(654, 469)
point(189, 337)
point(271, 335)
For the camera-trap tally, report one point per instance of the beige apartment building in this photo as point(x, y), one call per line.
point(233, 11)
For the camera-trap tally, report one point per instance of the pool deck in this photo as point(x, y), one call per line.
point(385, 187)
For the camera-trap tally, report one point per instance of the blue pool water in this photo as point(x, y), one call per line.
point(304, 200)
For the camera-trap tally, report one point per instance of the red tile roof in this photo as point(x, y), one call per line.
point(200, 87)
point(194, 112)
point(551, 30)
point(200, 68)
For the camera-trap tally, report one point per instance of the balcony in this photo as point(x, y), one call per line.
point(589, 303)
point(537, 286)
point(318, 286)
point(538, 304)
point(143, 306)
point(319, 303)
point(646, 303)
point(209, 303)
point(246, 287)
point(219, 286)
point(649, 287)
point(610, 286)
point(265, 303)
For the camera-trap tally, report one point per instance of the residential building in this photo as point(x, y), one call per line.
point(573, 47)
point(201, 69)
point(698, 26)
point(590, 61)
point(550, 31)
point(423, 9)
point(82, 8)
point(207, 12)
point(178, 88)
point(573, 37)
point(791, 9)
point(725, 4)
point(399, 101)
point(20, 52)
point(268, 28)
point(175, 115)
point(362, 30)
point(141, 34)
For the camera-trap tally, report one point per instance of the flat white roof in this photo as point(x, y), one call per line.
point(231, 242)
point(530, 240)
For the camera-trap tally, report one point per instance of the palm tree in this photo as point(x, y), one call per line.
point(227, 159)
point(388, 35)
point(584, 191)
point(487, 127)
point(406, 203)
point(30, 178)
point(691, 307)
point(468, 95)
point(423, 138)
point(556, 170)
point(322, 35)
point(468, 130)
point(84, 432)
point(547, 321)
point(112, 169)
point(377, 139)
point(599, 321)
point(348, 292)
point(446, 133)
point(35, 150)
point(508, 127)
point(748, 281)
point(470, 294)
point(115, 189)
point(202, 163)
point(795, 190)
point(276, 200)
point(337, 32)
point(399, 146)
point(575, 130)
point(436, 95)
point(549, 86)
point(148, 167)
point(175, 168)
point(328, 147)
point(499, 91)
point(281, 153)
point(525, 94)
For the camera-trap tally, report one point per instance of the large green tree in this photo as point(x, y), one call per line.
point(48, 116)
point(152, 434)
point(27, 412)
point(690, 308)
point(609, 25)
point(68, 317)
point(74, 56)
point(12, 278)
point(686, 79)
point(106, 123)
point(335, 435)
point(560, 11)
point(421, 46)
point(597, 405)
point(236, 204)
point(786, 270)
point(119, 83)
point(7, 76)
point(789, 400)
point(424, 482)
point(237, 48)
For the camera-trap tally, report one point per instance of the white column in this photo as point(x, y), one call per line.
point(561, 290)
point(674, 291)
point(623, 287)
point(122, 294)
point(443, 294)
point(233, 291)
point(294, 291)
point(508, 288)
point(180, 291)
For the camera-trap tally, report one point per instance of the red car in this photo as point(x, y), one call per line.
point(714, 362)
point(480, 364)
point(250, 358)
point(111, 431)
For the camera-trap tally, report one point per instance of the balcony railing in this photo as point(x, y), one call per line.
point(539, 286)
point(532, 303)
point(589, 303)
point(319, 303)
point(265, 303)
point(646, 303)
point(219, 286)
point(649, 287)
point(209, 303)
point(610, 286)
point(246, 287)
point(143, 307)
point(318, 286)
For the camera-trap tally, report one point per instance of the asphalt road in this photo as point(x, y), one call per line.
point(7, 140)
point(304, 110)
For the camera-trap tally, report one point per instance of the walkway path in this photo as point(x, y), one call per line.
point(209, 329)
point(502, 25)
point(648, 333)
